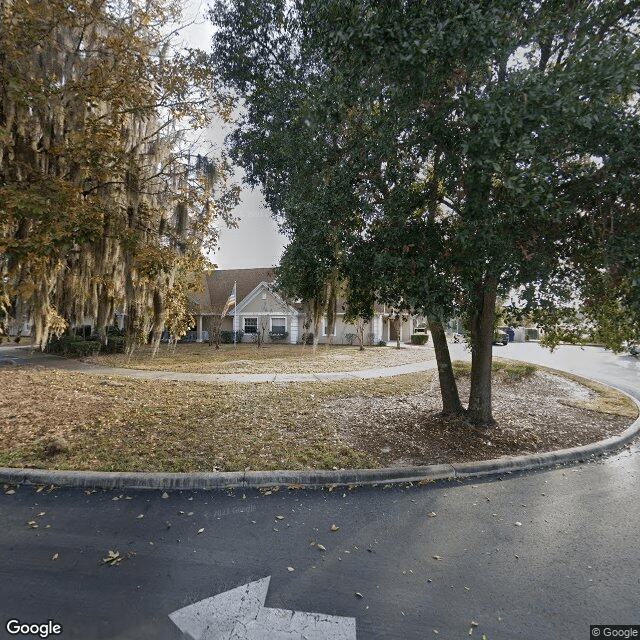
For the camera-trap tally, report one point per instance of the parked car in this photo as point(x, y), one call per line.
point(501, 337)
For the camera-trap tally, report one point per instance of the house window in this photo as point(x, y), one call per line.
point(251, 325)
point(325, 326)
point(279, 325)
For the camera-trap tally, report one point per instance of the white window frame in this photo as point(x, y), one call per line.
point(244, 324)
point(284, 322)
point(324, 327)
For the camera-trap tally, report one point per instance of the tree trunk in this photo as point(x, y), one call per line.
point(215, 326)
point(479, 411)
point(102, 317)
point(317, 324)
point(360, 327)
point(306, 325)
point(158, 323)
point(448, 388)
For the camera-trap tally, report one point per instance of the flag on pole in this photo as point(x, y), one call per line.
point(236, 326)
point(231, 301)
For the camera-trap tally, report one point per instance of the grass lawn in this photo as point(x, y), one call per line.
point(269, 358)
point(144, 425)
point(61, 420)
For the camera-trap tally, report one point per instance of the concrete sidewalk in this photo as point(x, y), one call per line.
point(24, 356)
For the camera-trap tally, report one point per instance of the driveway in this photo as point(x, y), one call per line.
point(621, 370)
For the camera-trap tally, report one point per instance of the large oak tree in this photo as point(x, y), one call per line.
point(446, 153)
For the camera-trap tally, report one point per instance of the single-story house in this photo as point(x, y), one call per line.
point(259, 307)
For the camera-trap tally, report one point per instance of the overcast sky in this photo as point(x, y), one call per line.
point(256, 242)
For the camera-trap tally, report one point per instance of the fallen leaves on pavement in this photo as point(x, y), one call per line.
point(114, 558)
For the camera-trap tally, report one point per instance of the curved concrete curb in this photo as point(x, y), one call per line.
point(318, 478)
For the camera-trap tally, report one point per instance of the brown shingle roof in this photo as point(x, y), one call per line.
point(218, 285)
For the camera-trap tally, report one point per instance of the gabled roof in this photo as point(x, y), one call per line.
point(218, 286)
point(281, 304)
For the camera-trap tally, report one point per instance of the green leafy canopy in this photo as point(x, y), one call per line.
point(437, 155)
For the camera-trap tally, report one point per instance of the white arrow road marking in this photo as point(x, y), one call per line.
point(240, 614)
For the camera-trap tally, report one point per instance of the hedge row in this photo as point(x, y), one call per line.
point(226, 337)
point(76, 346)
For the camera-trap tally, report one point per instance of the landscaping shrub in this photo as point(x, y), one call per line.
point(84, 332)
point(278, 336)
point(85, 348)
point(73, 346)
point(76, 346)
point(420, 338)
point(226, 337)
point(115, 344)
point(61, 344)
point(350, 338)
point(381, 343)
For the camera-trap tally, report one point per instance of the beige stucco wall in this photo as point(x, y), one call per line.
point(228, 321)
point(264, 320)
point(341, 330)
point(378, 328)
point(390, 330)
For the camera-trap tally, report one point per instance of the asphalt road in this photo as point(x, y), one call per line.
point(534, 556)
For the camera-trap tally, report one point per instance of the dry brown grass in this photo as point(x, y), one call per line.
point(604, 399)
point(126, 424)
point(248, 358)
point(101, 423)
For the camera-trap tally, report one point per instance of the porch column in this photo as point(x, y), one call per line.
point(199, 333)
point(293, 332)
